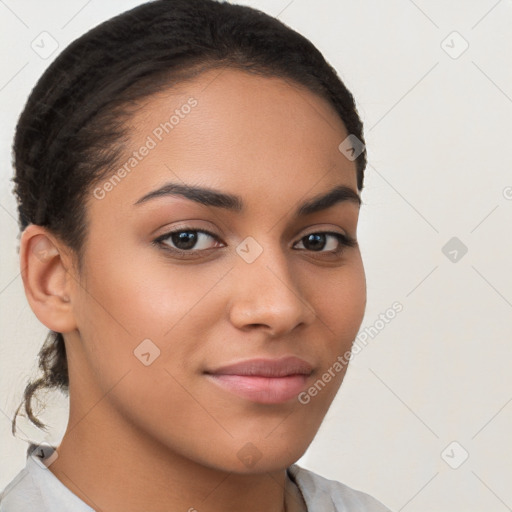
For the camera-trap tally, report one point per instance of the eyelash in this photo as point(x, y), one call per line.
point(345, 241)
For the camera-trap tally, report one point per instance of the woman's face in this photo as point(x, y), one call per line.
point(156, 326)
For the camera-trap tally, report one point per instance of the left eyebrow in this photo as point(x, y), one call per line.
point(211, 197)
point(338, 194)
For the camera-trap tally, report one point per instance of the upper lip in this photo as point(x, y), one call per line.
point(262, 367)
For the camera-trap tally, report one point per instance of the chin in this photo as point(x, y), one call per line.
point(250, 458)
point(266, 457)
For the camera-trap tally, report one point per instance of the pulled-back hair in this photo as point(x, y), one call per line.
point(71, 132)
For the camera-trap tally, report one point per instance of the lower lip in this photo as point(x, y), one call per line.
point(264, 390)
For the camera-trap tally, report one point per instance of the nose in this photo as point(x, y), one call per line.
point(267, 296)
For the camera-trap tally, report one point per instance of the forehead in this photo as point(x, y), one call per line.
point(236, 131)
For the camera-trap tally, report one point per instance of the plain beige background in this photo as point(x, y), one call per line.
point(423, 419)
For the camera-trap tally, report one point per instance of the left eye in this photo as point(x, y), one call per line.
point(319, 239)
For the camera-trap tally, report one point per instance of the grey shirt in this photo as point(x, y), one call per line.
point(36, 489)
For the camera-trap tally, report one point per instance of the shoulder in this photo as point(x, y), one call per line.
point(36, 489)
point(322, 494)
point(20, 494)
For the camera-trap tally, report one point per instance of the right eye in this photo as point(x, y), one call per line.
point(184, 240)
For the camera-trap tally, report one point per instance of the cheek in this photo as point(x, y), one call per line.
point(341, 305)
point(147, 296)
point(128, 300)
point(139, 327)
point(341, 310)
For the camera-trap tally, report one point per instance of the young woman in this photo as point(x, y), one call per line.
point(188, 177)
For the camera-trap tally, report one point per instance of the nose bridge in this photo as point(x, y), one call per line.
point(266, 290)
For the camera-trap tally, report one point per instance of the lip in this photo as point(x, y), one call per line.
point(268, 381)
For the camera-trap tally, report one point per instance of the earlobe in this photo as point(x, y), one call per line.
point(47, 281)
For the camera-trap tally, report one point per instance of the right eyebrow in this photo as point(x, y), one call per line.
point(202, 195)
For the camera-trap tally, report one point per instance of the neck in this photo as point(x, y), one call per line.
point(111, 466)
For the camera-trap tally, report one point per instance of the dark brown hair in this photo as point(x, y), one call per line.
point(72, 129)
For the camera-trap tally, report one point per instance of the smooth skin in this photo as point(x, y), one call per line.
point(163, 437)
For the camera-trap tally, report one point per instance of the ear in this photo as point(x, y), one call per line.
point(48, 279)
